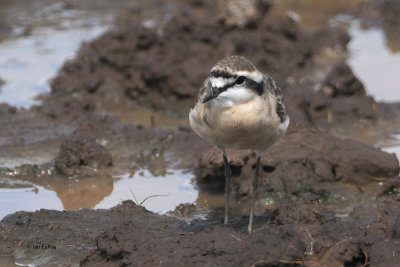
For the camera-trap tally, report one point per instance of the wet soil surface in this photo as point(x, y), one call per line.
point(324, 200)
point(382, 14)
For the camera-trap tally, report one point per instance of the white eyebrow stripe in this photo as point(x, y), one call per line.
point(254, 75)
point(220, 81)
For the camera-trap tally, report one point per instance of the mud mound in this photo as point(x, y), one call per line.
point(342, 99)
point(295, 234)
point(149, 61)
point(80, 154)
point(65, 236)
point(162, 56)
point(300, 162)
point(313, 238)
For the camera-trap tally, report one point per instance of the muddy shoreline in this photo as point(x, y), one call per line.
point(326, 199)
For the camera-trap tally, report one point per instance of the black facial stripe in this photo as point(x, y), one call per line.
point(249, 83)
point(255, 86)
point(215, 91)
point(225, 87)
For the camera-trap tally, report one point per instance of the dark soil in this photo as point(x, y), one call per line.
point(300, 162)
point(309, 173)
point(79, 152)
point(295, 234)
point(133, 63)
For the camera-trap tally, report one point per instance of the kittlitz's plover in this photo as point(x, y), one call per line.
point(238, 107)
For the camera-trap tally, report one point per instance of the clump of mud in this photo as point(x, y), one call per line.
point(300, 163)
point(342, 99)
point(152, 65)
point(295, 234)
point(79, 152)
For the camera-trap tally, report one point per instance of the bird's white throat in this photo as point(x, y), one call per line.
point(234, 96)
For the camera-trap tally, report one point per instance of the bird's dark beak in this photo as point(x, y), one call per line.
point(214, 92)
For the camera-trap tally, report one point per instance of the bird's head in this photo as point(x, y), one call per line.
point(234, 80)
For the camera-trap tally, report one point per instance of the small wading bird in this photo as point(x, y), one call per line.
point(238, 107)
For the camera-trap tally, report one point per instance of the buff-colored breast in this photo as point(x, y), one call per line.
point(251, 125)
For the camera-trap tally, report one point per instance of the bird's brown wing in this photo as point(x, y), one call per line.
point(273, 90)
point(204, 90)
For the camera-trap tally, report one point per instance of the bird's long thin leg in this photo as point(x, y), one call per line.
point(255, 186)
point(228, 174)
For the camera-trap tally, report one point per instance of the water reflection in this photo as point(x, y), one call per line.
point(169, 191)
point(60, 193)
point(84, 192)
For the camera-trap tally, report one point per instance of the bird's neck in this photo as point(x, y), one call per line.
point(233, 97)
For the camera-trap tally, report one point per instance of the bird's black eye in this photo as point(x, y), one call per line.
point(240, 80)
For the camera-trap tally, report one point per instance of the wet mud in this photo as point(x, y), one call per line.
point(80, 152)
point(304, 153)
point(325, 199)
point(384, 15)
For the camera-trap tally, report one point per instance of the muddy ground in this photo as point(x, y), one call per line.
point(157, 58)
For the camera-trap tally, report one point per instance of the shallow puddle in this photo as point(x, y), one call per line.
point(28, 62)
point(374, 57)
point(158, 194)
point(377, 66)
point(391, 145)
point(19, 195)
point(374, 63)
